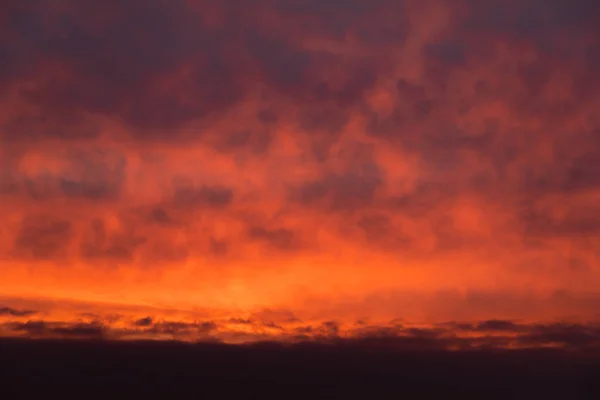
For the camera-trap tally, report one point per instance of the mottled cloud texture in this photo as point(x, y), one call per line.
point(338, 160)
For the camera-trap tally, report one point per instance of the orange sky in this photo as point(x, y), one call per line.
point(332, 161)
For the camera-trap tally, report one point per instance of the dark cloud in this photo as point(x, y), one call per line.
point(418, 202)
point(497, 325)
point(13, 312)
point(107, 69)
point(160, 216)
point(375, 225)
point(446, 52)
point(92, 175)
point(206, 327)
point(33, 328)
point(43, 237)
point(281, 238)
point(531, 18)
point(99, 175)
point(111, 55)
point(379, 230)
point(570, 335)
point(119, 238)
point(29, 127)
point(182, 328)
point(414, 100)
point(171, 327)
point(579, 222)
point(240, 321)
point(256, 142)
point(43, 329)
point(114, 58)
point(330, 328)
point(99, 245)
point(416, 340)
point(147, 321)
point(89, 331)
point(188, 195)
point(484, 334)
point(341, 192)
point(447, 336)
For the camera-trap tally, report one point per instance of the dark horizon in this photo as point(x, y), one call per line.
point(351, 370)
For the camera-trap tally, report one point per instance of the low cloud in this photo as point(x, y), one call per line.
point(61, 330)
point(12, 312)
point(279, 327)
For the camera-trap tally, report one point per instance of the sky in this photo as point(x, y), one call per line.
point(231, 170)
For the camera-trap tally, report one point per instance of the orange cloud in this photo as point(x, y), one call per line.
point(376, 159)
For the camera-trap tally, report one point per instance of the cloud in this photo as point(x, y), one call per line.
point(123, 68)
point(43, 329)
point(282, 326)
point(282, 239)
point(354, 189)
point(123, 64)
point(209, 196)
point(81, 175)
point(304, 156)
point(568, 335)
point(120, 246)
point(42, 236)
point(498, 325)
point(147, 321)
point(12, 312)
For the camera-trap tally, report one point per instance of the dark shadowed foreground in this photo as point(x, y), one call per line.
point(88, 369)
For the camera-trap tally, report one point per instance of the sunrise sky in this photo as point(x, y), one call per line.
point(240, 170)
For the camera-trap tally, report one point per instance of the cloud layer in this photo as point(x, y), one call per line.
point(334, 159)
point(284, 327)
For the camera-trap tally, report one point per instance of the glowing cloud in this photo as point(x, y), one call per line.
point(340, 161)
